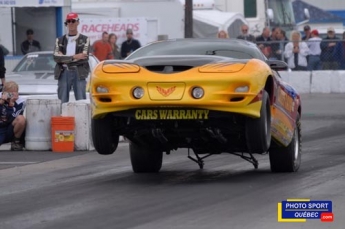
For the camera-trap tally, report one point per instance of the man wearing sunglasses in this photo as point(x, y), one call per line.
point(71, 55)
point(245, 34)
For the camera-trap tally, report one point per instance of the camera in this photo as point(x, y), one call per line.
point(9, 95)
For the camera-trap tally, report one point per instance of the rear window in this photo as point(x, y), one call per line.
point(195, 48)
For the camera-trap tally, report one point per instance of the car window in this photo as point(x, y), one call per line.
point(35, 62)
point(231, 49)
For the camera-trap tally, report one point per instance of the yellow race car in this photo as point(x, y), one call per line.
point(210, 96)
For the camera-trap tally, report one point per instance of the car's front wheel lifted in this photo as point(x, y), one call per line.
point(287, 159)
point(145, 160)
point(258, 130)
point(104, 139)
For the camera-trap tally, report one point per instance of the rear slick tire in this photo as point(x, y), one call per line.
point(258, 130)
point(145, 160)
point(288, 159)
point(104, 139)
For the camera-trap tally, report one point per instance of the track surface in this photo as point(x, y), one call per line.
point(87, 190)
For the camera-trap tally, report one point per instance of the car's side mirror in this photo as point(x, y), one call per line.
point(277, 65)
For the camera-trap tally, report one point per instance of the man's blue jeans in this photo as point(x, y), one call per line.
point(314, 63)
point(67, 80)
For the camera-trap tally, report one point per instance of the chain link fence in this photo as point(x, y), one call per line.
point(309, 55)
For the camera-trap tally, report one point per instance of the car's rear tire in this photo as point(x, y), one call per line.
point(288, 159)
point(258, 130)
point(145, 160)
point(104, 139)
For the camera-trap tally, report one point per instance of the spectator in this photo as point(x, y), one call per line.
point(339, 53)
point(30, 45)
point(222, 34)
point(102, 49)
point(314, 61)
point(130, 45)
point(283, 42)
point(296, 52)
point(114, 47)
point(329, 61)
point(245, 34)
point(71, 55)
point(12, 120)
point(2, 69)
point(277, 45)
point(4, 50)
point(307, 33)
point(263, 42)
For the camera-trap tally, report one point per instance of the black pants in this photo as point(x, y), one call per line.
point(299, 68)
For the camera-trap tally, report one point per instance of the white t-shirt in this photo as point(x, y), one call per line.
point(71, 45)
point(314, 45)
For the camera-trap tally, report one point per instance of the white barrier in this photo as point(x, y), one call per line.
point(306, 82)
point(38, 128)
point(321, 81)
point(300, 80)
point(338, 82)
point(81, 110)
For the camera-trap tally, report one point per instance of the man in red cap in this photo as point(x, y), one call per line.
point(71, 55)
point(314, 61)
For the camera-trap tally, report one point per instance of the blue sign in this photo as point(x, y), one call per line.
point(296, 210)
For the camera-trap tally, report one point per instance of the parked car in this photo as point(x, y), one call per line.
point(34, 73)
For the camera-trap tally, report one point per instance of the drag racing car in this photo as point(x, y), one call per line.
point(209, 96)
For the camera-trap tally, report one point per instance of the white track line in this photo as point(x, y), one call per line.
point(17, 162)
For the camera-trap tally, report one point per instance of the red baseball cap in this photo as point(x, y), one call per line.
point(72, 16)
point(315, 32)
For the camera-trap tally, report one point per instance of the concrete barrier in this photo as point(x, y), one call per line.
point(300, 80)
point(338, 82)
point(321, 81)
point(306, 82)
point(38, 128)
point(285, 76)
point(81, 110)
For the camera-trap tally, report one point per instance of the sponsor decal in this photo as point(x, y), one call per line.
point(165, 92)
point(146, 114)
point(286, 101)
point(299, 210)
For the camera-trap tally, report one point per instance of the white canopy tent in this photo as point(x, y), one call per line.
point(207, 23)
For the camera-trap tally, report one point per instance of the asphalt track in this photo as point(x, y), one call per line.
point(87, 190)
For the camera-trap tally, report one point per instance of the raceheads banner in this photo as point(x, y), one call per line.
point(94, 27)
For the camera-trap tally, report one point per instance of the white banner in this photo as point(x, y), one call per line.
point(32, 3)
point(94, 27)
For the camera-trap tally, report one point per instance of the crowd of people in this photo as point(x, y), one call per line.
point(107, 49)
point(309, 52)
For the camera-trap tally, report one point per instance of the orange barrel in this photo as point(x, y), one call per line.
point(62, 134)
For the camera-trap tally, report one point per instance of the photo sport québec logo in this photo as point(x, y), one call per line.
point(301, 210)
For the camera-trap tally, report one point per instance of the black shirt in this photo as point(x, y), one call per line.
point(2, 65)
point(32, 46)
point(129, 46)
